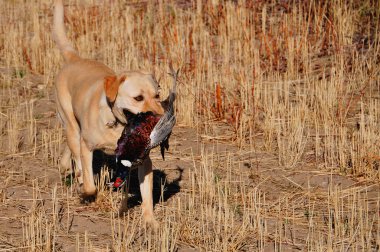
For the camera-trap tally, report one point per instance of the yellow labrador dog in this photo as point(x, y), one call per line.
point(91, 99)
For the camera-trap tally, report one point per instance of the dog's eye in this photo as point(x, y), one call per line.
point(157, 96)
point(139, 98)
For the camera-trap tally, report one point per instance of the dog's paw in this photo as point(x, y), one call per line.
point(151, 223)
point(87, 199)
point(87, 196)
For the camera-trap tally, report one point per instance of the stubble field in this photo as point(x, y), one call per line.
point(277, 145)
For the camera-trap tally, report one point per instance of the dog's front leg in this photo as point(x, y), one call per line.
point(88, 187)
point(146, 189)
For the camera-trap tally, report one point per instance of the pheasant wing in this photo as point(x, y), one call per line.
point(163, 128)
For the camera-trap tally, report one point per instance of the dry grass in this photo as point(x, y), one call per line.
point(283, 100)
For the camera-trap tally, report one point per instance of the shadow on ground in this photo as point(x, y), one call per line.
point(162, 189)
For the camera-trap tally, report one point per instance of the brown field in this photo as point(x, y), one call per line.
point(277, 144)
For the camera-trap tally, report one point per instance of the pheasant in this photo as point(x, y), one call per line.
point(133, 144)
point(144, 132)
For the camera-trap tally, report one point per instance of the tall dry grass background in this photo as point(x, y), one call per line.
point(290, 87)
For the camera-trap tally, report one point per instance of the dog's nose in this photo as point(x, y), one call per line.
point(160, 110)
point(154, 107)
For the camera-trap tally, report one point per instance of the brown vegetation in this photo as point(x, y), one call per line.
point(278, 138)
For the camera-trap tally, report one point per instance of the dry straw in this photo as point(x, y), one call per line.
point(291, 88)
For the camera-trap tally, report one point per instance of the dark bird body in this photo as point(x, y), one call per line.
point(145, 131)
point(132, 145)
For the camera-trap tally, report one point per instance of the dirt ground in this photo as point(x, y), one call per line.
point(276, 146)
point(32, 191)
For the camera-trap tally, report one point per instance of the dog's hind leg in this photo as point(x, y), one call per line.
point(65, 164)
point(73, 139)
point(88, 188)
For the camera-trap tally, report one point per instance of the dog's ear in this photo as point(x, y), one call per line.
point(111, 86)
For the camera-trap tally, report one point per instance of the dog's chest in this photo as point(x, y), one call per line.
point(105, 140)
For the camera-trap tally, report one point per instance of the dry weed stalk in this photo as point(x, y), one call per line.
point(13, 131)
point(51, 142)
point(300, 76)
point(38, 231)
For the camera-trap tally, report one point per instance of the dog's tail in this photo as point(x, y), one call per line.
point(59, 34)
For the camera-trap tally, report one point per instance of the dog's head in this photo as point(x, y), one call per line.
point(135, 92)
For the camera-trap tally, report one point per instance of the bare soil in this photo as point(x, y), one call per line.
point(28, 182)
